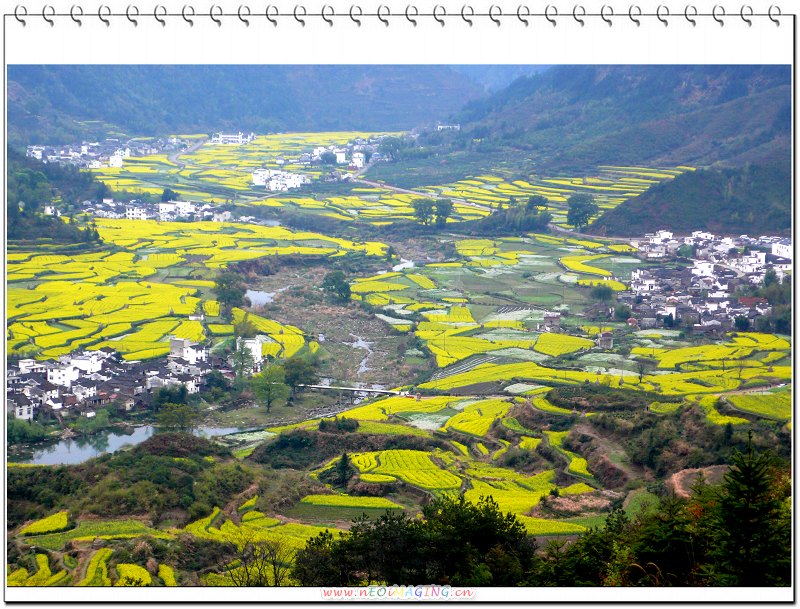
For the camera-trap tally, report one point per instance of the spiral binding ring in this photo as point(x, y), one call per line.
point(158, 16)
point(436, 14)
point(107, 14)
point(439, 13)
point(665, 12)
point(771, 18)
point(135, 22)
point(547, 14)
point(575, 14)
point(17, 13)
point(464, 14)
point(636, 19)
point(327, 19)
point(72, 14)
point(360, 13)
point(694, 14)
point(527, 14)
point(185, 18)
point(212, 14)
point(248, 14)
point(747, 19)
point(51, 12)
point(299, 20)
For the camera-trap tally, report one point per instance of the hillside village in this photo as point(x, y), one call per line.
point(702, 297)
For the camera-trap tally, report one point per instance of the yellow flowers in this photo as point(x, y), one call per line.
point(560, 344)
point(576, 263)
point(50, 524)
point(349, 501)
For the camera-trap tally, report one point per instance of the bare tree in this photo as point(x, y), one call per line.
point(259, 561)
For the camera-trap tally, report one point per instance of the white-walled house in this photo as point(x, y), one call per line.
point(358, 160)
point(63, 375)
point(783, 248)
point(187, 349)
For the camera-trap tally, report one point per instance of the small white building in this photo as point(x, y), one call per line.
point(133, 212)
point(63, 375)
point(115, 160)
point(186, 349)
point(232, 139)
point(341, 156)
point(783, 248)
point(358, 160)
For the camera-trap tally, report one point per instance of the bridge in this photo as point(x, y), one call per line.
point(355, 389)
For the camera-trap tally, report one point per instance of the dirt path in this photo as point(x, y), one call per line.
point(175, 156)
point(426, 195)
point(609, 447)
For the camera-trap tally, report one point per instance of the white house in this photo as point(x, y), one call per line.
point(50, 210)
point(232, 139)
point(135, 213)
point(221, 216)
point(63, 375)
point(341, 156)
point(115, 160)
point(783, 248)
point(256, 347)
point(89, 363)
point(187, 349)
point(358, 160)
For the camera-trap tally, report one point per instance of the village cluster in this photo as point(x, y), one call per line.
point(110, 152)
point(703, 296)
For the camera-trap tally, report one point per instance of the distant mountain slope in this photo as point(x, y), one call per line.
point(578, 116)
point(53, 104)
point(752, 200)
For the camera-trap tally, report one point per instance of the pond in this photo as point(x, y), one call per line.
point(259, 298)
point(77, 450)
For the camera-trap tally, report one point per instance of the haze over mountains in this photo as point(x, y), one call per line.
point(566, 119)
point(51, 104)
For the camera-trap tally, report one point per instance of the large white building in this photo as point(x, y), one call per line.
point(277, 180)
point(783, 248)
point(232, 139)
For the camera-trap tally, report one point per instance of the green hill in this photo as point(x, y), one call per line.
point(573, 117)
point(55, 104)
point(750, 200)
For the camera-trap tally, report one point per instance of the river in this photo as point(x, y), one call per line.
point(82, 448)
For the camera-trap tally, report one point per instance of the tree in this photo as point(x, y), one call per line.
point(242, 359)
point(602, 293)
point(230, 289)
point(336, 286)
point(423, 210)
point(245, 328)
point(444, 207)
point(299, 371)
point(581, 209)
point(177, 416)
point(176, 394)
point(261, 562)
point(741, 323)
point(169, 195)
point(622, 312)
point(535, 202)
point(269, 386)
point(344, 470)
point(770, 278)
point(327, 158)
point(751, 527)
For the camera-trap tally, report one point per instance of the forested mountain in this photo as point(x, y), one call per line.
point(54, 104)
point(572, 117)
point(754, 199)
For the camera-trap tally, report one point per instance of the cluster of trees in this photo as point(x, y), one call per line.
point(516, 218)
point(32, 185)
point(435, 211)
point(779, 295)
point(336, 286)
point(230, 289)
point(734, 534)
